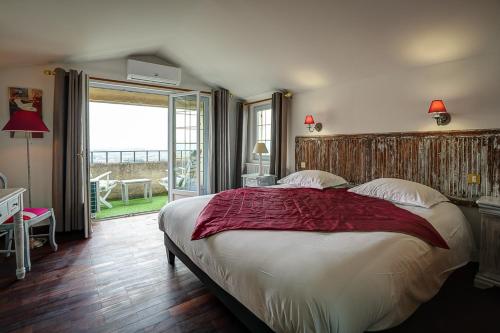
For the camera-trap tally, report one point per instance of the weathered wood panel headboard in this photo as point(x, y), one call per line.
point(440, 160)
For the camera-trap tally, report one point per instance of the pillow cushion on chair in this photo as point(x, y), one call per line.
point(29, 213)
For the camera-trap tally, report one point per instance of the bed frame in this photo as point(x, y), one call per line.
point(440, 160)
point(251, 321)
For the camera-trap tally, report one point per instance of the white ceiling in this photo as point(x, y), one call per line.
point(254, 46)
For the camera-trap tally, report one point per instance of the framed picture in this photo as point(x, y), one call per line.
point(26, 99)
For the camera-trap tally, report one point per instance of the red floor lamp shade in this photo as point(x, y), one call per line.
point(25, 121)
point(28, 122)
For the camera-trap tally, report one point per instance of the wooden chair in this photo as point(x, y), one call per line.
point(33, 217)
point(104, 185)
point(4, 233)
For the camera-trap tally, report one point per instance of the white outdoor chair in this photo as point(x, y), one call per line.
point(32, 217)
point(104, 187)
point(164, 182)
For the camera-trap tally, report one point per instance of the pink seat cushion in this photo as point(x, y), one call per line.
point(30, 213)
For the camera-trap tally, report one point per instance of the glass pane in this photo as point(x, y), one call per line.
point(127, 157)
point(186, 160)
point(204, 107)
point(268, 116)
point(112, 157)
point(263, 118)
point(140, 156)
point(180, 135)
point(153, 156)
point(164, 155)
point(98, 157)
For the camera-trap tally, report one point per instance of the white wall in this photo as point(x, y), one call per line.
point(13, 151)
point(399, 101)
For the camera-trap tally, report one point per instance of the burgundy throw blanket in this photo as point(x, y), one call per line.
point(306, 209)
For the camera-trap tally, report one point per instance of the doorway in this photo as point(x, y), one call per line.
point(148, 146)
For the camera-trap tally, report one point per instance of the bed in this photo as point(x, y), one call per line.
point(294, 281)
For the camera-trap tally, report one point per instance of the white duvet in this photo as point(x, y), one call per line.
point(324, 282)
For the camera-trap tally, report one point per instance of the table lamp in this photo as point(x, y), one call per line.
point(260, 148)
point(27, 122)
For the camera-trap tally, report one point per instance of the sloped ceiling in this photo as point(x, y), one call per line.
point(254, 46)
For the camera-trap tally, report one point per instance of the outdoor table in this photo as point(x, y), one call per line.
point(148, 189)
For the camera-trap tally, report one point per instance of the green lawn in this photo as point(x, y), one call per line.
point(135, 206)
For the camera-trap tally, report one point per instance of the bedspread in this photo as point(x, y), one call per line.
point(308, 209)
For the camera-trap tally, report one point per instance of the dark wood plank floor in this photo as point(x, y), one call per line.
point(119, 281)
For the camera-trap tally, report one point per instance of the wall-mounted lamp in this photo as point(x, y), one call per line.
point(311, 125)
point(438, 111)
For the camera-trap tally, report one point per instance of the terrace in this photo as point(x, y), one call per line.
point(128, 165)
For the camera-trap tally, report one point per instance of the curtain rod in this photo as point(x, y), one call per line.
point(145, 85)
point(51, 72)
point(286, 94)
point(259, 101)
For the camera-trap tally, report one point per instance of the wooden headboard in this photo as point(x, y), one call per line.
point(440, 160)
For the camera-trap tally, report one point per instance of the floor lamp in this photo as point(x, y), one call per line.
point(28, 122)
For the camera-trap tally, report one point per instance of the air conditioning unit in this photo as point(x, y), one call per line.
point(146, 72)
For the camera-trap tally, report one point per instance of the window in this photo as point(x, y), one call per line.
point(263, 126)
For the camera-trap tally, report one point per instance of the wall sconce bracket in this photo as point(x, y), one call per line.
point(316, 127)
point(443, 119)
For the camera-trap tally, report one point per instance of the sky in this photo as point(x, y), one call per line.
point(127, 127)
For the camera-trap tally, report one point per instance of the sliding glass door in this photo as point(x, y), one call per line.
point(188, 120)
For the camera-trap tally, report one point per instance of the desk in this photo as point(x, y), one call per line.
point(11, 205)
point(148, 189)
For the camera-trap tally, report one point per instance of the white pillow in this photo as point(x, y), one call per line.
point(313, 178)
point(401, 191)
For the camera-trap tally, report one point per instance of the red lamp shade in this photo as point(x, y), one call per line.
point(25, 121)
point(309, 120)
point(437, 106)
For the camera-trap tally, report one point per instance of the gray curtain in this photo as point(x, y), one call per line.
point(240, 142)
point(221, 149)
point(244, 138)
point(280, 106)
point(68, 149)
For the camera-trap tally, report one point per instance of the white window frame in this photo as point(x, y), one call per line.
point(252, 133)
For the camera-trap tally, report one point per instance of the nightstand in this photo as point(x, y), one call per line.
point(254, 180)
point(489, 252)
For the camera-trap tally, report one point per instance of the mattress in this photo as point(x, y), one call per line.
point(324, 282)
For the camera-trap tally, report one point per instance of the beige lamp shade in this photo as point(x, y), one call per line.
point(260, 148)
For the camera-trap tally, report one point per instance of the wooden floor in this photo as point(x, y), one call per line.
point(117, 281)
point(120, 281)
